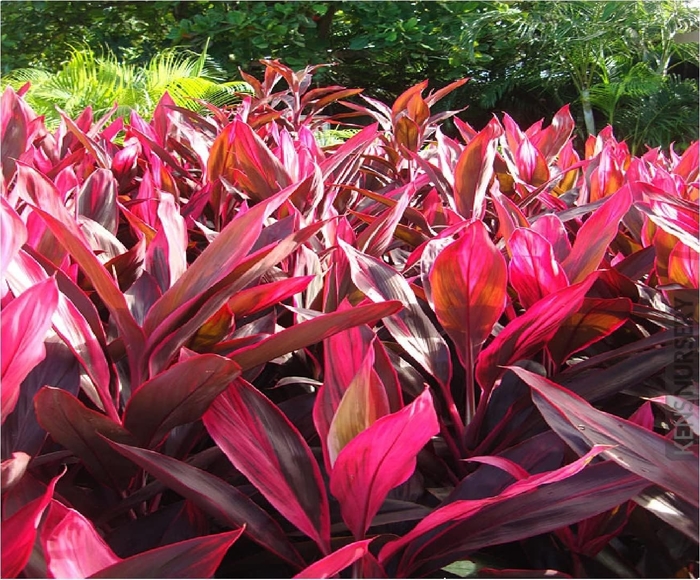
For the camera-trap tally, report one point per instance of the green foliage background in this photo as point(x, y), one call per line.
point(616, 61)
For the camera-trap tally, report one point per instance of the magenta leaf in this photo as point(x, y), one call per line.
point(72, 546)
point(166, 256)
point(552, 229)
point(71, 325)
point(380, 458)
point(213, 495)
point(181, 394)
point(264, 445)
point(535, 505)
point(97, 199)
point(534, 271)
point(335, 563)
point(24, 324)
point(13, 235)
point(640, 451)
point(104, 284)
point(195, 558)
point(529, 333)
point(595, 235)
point(19, 533)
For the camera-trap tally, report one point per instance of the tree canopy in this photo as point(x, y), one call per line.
point(614, 60)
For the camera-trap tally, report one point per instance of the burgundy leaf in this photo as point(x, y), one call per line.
point(536, 505)
point(411, 328)
point(78, 429)
point(216, 497)
point(196, 558)
point(264, 445)
point(312, 331)
point(181, 394)
point(596, 319)
point(643, 452)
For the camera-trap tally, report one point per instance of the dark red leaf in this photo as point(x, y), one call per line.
point(640, 451)
point(221, 500)
point(264, 445)
point(181, 394)
point(196, 558)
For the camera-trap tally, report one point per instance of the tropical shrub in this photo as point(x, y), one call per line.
point(103, 82)
point(228, 350)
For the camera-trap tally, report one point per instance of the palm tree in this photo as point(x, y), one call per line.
point(87, 79)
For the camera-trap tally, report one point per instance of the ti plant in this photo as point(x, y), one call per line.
point(228, 350)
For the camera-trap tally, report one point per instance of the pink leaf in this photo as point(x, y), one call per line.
point(335, 563)
point(97, 199)
point(13, 235)
point(13, 469)
point(506, 465)
point(380, 458)
point(551, 140)
point(468, 290)
point(166, 257)
point(264, 445)
point(595, 235)
point(363, 402)
point(72, 546)
point(19, 532)
point(551, 228)
point(24, 324)
point(533, 270)
point(529, 333)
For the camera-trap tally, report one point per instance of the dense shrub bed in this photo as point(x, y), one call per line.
point(228, 350)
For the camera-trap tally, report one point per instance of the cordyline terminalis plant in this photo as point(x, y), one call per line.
point(227, 350)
